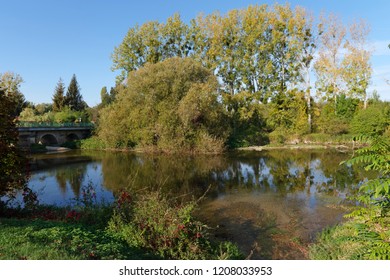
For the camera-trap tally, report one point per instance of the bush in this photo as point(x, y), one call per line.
point(373, 120)
point(331, 122)
point(166, 106)
point(169, 230)
point(69, 116)
point(278, 136)
point(92, 143)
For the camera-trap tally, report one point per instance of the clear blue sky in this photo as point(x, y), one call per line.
point(43, 40)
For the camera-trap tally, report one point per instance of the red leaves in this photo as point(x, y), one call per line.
point(73, 216)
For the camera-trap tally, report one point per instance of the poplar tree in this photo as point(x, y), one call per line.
point(357, 66)
point(329, 65)
point(105, 97)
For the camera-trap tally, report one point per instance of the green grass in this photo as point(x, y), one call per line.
point(147, 226)
point(59, 240)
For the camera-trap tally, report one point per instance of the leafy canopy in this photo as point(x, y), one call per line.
point(169, 105)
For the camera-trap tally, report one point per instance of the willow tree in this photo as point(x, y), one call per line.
point(170, 105)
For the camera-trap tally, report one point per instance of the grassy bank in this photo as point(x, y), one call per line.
point(40, 239)
point(310, 141)
point(146, 226)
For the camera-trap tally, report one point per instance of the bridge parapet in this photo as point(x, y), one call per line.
point(55, 125)
point(48, 133)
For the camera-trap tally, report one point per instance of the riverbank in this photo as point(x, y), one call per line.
point(317, 146)
point(121, 230)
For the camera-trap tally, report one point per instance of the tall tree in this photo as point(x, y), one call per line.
point(59, 96)
point(357, 66)
point(105, 97)
point(152, 42)
point(10, 83)
point(329, 66)
point(307, 43)
point(73, 98)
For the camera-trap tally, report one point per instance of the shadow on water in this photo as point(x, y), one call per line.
point(271, 203)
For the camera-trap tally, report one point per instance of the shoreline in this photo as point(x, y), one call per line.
point(339, 147)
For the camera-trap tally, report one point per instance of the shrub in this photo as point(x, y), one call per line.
point(167, 229)
point(373, 120)
point(166, 106)
point(278, 136)
point(92, 143)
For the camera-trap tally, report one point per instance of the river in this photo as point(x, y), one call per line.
point(271, 203)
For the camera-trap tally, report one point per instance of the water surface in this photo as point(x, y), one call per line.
point(271, 203)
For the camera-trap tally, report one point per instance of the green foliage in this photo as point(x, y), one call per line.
point(367, 234)
point(59, 240)
point(106, 98)
point(288, 113)
point(247, 120)
point(59, 96)
point(73, 98)
point(354, 240)
point(67, 116)
point(170, 106)
point(374, 120)
point(346, 107)
point(253, 49)
point(92, 143)
point(164, 227)
point(330, 123)
point(10, 85)
point(37, 113)
point(376, 157)
point(151, 43)
point(12, 163)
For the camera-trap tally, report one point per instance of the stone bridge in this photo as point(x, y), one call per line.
point(52, 134)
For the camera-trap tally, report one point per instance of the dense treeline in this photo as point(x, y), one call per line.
point(275, 74)
point(264, 59)
point(66, 107)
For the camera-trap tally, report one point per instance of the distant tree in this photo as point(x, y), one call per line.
point(114, 92)
point(10, 84)
point(73, 98)
point(105, 97)
point(59, 96)
point(12, 163)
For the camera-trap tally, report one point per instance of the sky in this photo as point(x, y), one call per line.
point(44, 40)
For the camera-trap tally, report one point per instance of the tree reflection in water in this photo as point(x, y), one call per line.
point(254, 198)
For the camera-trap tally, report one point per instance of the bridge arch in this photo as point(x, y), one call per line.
point(72, 137)
point(48, 139)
